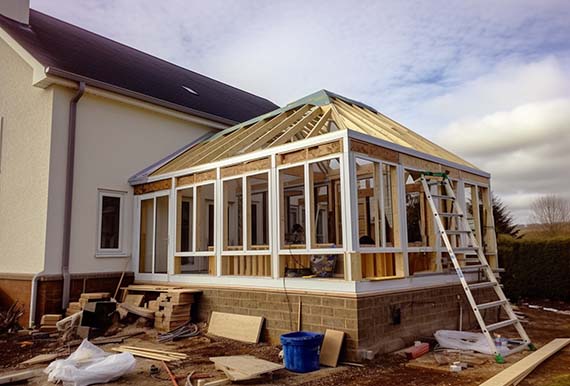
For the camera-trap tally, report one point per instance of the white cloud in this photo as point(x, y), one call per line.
point(526, 149)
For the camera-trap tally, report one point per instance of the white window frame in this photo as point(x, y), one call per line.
point(110, 252)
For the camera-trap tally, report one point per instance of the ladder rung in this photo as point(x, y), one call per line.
point(486, 284)
point(472, 260)
point(449, 214)
point(431, 183)
point(443, 197)
point(504, 323)
point(484, 306)
point(464, 249)
point(474, 268)
point(456, 232)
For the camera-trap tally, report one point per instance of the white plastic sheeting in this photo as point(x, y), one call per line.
point(463, 340)
point(88, 365)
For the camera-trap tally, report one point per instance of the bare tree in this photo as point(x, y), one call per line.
point(552, 212)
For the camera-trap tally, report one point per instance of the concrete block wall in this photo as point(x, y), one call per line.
point(367, 321)
point(421, 313)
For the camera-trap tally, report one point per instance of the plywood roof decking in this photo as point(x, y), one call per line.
point(317, 114)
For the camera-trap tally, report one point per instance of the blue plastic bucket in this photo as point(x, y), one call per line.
point(301, 351)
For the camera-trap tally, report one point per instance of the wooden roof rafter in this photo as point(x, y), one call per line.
point(307, 118)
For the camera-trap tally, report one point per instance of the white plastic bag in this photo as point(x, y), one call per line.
point(463, 340)
point(88, 365)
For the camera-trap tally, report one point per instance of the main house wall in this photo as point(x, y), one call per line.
point(24, 160)
point(114, 141)
point(367, 321)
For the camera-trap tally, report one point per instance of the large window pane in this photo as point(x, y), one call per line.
point(146, 235)
point(292, 194)
point(325, 208)
point(185, 220)
point(258, 217)
point(161, 235)
point(233, 213)
point(368, 203)
point(389, 193)
point(205, 218)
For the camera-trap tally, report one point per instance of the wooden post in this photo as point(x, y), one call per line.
point(400, 223)
point(490, 238)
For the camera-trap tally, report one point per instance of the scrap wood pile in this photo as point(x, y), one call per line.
point(149, 353)
point(48, 322)
point(9, 318)
point(85, 298)
point(168, 309)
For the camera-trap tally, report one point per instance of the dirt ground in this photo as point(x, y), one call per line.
point(542, 326)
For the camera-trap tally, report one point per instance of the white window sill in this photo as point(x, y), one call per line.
point(111, 254)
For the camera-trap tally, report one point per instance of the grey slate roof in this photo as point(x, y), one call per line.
point(79, 53)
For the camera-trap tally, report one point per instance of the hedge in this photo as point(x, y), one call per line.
point(537, 269)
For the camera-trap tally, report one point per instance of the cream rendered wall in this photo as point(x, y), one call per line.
point(114, 141)
point(24, 165)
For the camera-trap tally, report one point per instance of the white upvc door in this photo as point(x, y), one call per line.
point(151, 236)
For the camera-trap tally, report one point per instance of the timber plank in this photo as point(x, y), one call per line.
point(522, 368)
point(238, 327)
point(19, 376)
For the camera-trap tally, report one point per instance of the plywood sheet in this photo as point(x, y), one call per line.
point(238, 327)
point(243, 367)
point(330, 349)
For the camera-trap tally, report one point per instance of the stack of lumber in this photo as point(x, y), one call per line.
point(172, 309)
point(86, 297)
point(244, 367)
point(151, 353)
point(48, 322)
point(93, 297)
point(73, 308)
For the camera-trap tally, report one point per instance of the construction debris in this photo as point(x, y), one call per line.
point(463, 340)
point(244, 367)
point(173, 309)
point(19, 376)
point(417, 350)
point(187, 330)
point(48, 322)
point(88, 365)
point(166, 356)
point(9, 319)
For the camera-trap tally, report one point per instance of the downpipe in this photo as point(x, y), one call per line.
point(70, 169)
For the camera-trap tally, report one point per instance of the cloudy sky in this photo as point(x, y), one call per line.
point(489, 80)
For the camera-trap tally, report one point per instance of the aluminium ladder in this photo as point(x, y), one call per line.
point(463, 232)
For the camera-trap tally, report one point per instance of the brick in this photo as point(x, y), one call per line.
point(313, 300)
point(333, 323)
point(324, 311)
point(344, 313)
point(333, 302)
point(311, 319)
point(351, 304)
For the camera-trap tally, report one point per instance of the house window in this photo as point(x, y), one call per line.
point(110, 229)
